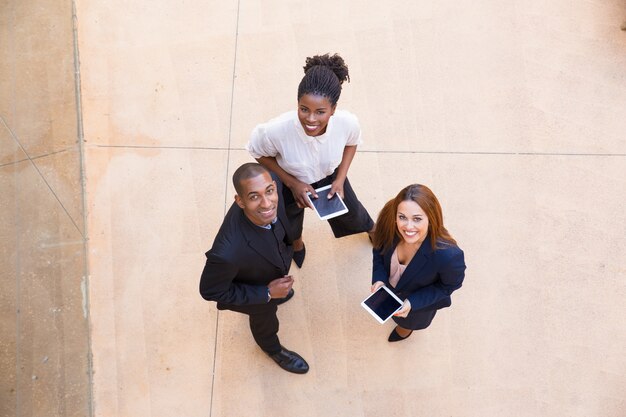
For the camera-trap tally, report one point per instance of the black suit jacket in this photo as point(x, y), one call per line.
point(241, 264)
point(430, 277)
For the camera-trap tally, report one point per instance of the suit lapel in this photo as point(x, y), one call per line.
point(252, 235)
point(420, 259)
point(282, 218)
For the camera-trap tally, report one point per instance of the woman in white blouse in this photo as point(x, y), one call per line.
point(313, 146)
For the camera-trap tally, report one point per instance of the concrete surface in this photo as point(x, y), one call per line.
point(44, 335)
point(514, 113)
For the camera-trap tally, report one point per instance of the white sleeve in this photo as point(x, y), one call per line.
point(259, 144)
point(354, 132)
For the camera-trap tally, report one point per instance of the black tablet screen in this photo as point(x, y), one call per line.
point(324, 206)
point(383, 304)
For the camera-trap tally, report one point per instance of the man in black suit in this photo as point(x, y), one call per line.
point(246, 269)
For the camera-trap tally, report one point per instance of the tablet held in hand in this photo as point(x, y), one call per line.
point(382, 304)
point(327, 208)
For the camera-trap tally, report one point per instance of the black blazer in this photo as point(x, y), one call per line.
point(240, 264)
point(428, 279)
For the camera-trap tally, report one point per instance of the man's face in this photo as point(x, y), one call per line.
point(259, 199)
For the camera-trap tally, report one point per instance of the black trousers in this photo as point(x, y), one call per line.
point(263, 323)
point(356, 220)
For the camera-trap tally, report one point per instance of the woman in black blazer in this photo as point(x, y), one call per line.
point(415, 256)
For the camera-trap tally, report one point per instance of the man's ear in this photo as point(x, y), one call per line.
point(239, 201)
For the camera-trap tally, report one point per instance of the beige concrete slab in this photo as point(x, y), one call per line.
point(45, 345)
point(527, 334)
point(6, 64)
point(9, 285)
point(44, 337)
point(38, 75)
point(10, 151)
point(152, 212)
point(484, 102)
point(157, 76)
point(61, 172)
point(447, 75)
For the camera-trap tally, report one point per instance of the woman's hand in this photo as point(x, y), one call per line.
point(405, 310)
point(377, 285)
point(336, 188)
point(299, 190)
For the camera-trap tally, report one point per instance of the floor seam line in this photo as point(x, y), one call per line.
point(230, 130)
point(43, 178)
point(80, 132)
point(34, 157)
point(373, 151)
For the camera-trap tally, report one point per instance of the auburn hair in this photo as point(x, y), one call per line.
point(387, 231)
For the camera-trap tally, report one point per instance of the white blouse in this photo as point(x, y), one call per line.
point(308, 158)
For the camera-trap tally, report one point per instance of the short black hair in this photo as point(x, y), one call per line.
point(323, 76)
point(246, 171)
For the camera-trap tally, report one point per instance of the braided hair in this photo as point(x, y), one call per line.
point(323, 76)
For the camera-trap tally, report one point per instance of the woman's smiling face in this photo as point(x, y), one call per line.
point(314, 113)
point(412, 222)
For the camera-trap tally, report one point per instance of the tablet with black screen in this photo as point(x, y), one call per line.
point(382, 304)
point(327, 208)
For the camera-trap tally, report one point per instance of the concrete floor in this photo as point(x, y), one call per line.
point(513, 113)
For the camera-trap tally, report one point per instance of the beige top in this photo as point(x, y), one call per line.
point(395, 269)
point(308, 158)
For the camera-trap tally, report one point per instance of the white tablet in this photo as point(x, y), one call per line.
point(327, 208)
point(382, 304)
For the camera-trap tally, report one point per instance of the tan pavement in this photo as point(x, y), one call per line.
point(514, 113)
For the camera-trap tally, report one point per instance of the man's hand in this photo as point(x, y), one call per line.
point(279, 288)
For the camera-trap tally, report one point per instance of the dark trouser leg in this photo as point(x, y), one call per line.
point(263, 324)
point(295, 214)
point(356, 220)
point(264, 327)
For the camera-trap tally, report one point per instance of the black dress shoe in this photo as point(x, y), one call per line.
point(290, 361)
point(298, 257)
point(279, 301)
point(395, 337)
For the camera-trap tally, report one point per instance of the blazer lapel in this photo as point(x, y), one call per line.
point(420, 259)
point(282, 218)
point(256, 243)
